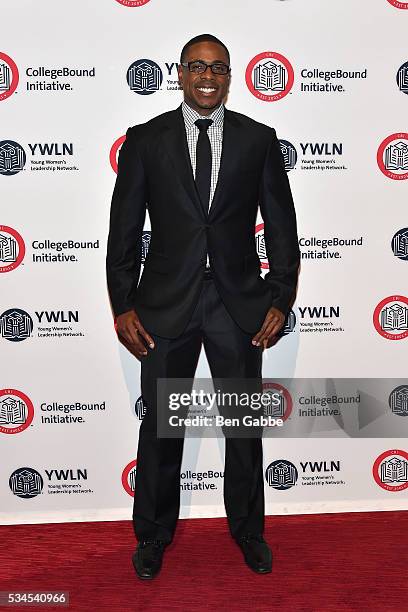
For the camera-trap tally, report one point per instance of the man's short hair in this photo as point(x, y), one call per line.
point(203, 38)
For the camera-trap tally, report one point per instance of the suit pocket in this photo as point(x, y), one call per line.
point(157, 262)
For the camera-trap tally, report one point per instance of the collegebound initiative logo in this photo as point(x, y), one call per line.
point(260, 246)
point(400, 4)
point(390, 317)
point(129, 478)
point(269, 76)
point(281, 409)
point(144, 77)
point(12, 157)
point(114, 152)
point(390, 470)
point(16, 411)
point(392, 156)
point(8, 76)
point(133, 3)
point(12, 249)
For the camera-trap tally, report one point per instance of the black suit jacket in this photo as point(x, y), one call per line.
point(154, 171)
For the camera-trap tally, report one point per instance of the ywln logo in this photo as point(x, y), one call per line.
point(46, 157)
point(402, 78)
point(12, 157)
point(399, 244)
point(398, 400)
point(144, 77)
point(17, 325)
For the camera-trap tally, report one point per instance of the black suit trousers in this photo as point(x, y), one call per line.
point(230, 353)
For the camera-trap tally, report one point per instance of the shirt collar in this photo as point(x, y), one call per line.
point(190, 116)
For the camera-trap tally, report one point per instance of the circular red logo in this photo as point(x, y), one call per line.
point(8, 76)
point(16, 411)
point(392, 156)
point(390, 470)
point(390, 317)
point(133, 3)
point(114, 152)
point(269, 76)
point(398, 4)
point(284, 393)
point(12, 249)
point(260, 246)
point(128, 478)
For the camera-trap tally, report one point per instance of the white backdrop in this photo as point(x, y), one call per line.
point(348, 133)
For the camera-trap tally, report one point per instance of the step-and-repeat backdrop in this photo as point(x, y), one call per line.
point(333, 80)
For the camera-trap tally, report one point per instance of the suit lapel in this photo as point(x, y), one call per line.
point(175, 141)
point(230, 148)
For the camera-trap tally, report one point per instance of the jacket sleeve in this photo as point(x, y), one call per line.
point(127, 216)
point(280, 229)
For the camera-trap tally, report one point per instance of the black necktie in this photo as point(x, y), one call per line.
point(203, 162)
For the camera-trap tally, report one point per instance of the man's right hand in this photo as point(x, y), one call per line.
point(132, 333)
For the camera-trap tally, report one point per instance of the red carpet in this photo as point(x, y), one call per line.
point(322, 563)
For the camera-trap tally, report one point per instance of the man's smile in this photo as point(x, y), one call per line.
point(206, 89)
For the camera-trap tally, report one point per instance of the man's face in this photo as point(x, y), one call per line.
point(204, 92)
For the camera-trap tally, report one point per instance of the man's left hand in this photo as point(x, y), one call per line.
point(273, 323)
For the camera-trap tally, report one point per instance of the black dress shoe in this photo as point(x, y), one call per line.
point(147, 559)
point(257, 554)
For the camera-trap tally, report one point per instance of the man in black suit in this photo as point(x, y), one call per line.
point(201, 171)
